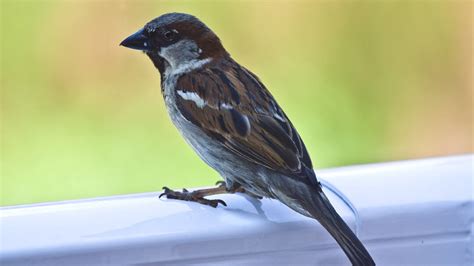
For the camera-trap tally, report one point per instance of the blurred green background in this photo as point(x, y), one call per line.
point(362, 82)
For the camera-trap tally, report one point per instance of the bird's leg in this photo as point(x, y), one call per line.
point(236, 187)
point(197, 195)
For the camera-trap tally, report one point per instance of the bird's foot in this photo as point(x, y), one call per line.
point(196, 196)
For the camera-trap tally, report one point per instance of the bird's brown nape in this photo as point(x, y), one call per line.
point(204, 37)
point(211, 46)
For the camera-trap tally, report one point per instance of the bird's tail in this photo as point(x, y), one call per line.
point(325, 213)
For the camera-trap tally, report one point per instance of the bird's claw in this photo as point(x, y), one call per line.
point(190, 196)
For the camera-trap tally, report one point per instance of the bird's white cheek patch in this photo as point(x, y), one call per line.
point(192, 96)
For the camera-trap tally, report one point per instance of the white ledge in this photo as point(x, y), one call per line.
point(411, 212)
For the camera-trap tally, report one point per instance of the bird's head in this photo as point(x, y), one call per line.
point(176, 39)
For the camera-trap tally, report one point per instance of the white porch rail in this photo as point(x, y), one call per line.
point(406, 213)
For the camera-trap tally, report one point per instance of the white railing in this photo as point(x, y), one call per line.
point(411, 212)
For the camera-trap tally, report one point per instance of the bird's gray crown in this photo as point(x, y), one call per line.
point(173, 18)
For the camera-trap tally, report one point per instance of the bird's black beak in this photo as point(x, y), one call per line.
point(138, 41)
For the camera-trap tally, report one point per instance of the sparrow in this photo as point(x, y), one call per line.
point(230, 119)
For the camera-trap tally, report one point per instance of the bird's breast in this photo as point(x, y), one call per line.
point(207, 148)
point(211, 151)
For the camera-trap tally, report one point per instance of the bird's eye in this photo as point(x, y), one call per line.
point(171, 35)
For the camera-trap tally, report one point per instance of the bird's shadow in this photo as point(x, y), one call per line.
point(198, 217)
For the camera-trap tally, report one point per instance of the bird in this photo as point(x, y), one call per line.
point(234, 124)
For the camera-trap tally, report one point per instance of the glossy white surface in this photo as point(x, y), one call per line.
point(413, 212)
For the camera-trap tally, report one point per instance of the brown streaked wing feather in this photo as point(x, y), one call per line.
point(240, 113)
point(257, 85)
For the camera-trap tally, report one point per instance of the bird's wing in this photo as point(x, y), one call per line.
point(233, 107)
